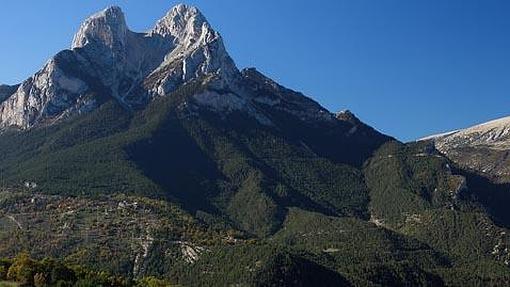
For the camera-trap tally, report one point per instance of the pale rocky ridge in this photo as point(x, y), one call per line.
point(484, 148)
point(107, 59)
point(493, 134)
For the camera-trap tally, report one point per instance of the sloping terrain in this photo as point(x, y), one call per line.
point(206, 163)
point(418, 192)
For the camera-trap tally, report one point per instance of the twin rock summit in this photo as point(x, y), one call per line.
point(107, 60)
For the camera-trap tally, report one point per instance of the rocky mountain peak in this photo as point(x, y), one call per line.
point(107, 27)
point(197, 50)
point(182, 22)
point(344, 114)
point(348, 116)
point(108, 60)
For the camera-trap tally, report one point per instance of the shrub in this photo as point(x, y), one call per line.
point(22, 269)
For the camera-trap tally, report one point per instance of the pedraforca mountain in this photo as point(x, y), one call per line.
point(107, 59)
point(109, 62)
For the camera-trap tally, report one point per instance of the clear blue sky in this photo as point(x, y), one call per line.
point(408, 67)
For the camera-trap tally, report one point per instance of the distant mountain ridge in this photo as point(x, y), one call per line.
point(494, 134)
point(484, 148)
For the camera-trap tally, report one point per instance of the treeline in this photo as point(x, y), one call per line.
point(48, 272)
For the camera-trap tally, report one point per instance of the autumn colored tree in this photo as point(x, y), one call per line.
point(22, 269)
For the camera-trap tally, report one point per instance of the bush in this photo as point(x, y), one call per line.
point(153, 282)
point(22, 269)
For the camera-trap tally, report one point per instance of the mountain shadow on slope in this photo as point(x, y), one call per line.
point(494, 197)
point(173, 160)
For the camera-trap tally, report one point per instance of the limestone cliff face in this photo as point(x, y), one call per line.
point(48, 94)
point(107, 58)
point(109, 61)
